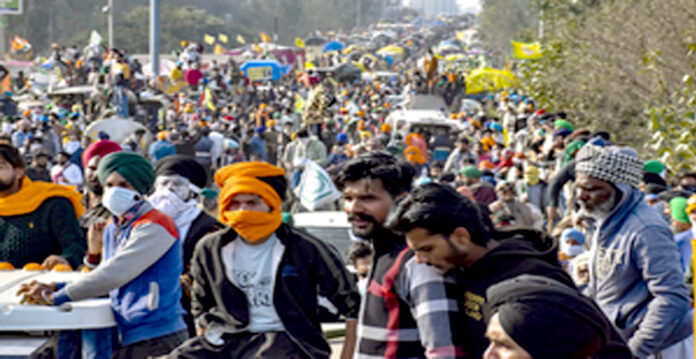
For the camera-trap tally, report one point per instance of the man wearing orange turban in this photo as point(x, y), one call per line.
point(255, 284)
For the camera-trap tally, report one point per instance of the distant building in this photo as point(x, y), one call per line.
point(431, 8)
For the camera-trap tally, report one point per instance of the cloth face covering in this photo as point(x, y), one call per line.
point(118, 200)
point(251, 225)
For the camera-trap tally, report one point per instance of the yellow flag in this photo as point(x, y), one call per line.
point(299, 42)
point(240, 39)
point(209, 39)
point(223, 38)
point(219, 50)
point(265, 38)
point(526, 51)
point(257, 48)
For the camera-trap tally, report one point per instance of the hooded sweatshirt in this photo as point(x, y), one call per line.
point(520, 251)
point(636, 276)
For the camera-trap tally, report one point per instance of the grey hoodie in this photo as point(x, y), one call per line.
point(636, 278)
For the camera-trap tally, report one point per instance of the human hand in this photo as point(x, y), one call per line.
point(186, 284)
point(95, 235)
point(53, 260)
point(36, 293)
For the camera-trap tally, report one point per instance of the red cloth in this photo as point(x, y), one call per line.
point(99, 148)
point(192, 76)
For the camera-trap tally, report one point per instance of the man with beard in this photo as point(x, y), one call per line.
point(179, 180)
point(508, 205)
point(409, 309)
point(38, 220)
point(38, 171)
point(635, 268)
point(92, 198)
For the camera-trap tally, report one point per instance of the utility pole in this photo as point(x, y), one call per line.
point(359, 14)
point(154, 36)
point(275, 29)
point(111, 24)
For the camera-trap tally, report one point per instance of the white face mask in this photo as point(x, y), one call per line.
point(118, 200)
point(575, 250)
point(168, 202)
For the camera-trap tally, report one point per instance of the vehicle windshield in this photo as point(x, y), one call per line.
point(339, 238)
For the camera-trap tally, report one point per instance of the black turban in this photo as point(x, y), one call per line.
point(548, 319)
point(182, 165)
point(651, 178)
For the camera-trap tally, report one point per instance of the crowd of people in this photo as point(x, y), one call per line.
point(529, 237)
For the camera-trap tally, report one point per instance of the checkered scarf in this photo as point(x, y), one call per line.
point(609, 164)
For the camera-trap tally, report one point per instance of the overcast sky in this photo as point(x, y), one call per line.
point(469, 3)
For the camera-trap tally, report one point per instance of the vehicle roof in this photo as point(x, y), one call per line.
point(74, 90)
point(329, 219)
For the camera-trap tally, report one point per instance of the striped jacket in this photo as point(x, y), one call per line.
point(409, 310)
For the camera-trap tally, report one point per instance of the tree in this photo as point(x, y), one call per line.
point(502, 21)
point(621, 66)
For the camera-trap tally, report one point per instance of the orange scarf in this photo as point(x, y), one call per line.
point(32, 194)
point(250, 225)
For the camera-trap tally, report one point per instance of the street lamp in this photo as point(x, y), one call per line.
point(108, 10)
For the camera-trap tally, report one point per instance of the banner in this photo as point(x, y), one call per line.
point(488, 80)
point(316, 188)
point(209, 39)
point(260, 73)
point(526, 51)
point(223, 38)
point(11, 7)
point(299, 42)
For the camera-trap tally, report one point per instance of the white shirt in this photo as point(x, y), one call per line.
point(252, 269)
point(71, 176)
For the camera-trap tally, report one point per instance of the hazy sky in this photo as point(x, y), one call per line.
point(469, 3)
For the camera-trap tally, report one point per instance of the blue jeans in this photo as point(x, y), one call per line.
point(91, 343)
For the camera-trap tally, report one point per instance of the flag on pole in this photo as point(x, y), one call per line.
point(95, 39)
point(299, 42)
point(219, 50)
point(265, 38)
point(526, 51)
point(299, 104)
point(17, 43)
point(223, 38)
point(207, 99)
point(209, 39)
point(316, 188)
point(257, 48)
point(240, 39)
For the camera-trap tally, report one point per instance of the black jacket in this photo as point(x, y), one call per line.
point(520, 251)
point(308, 268)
